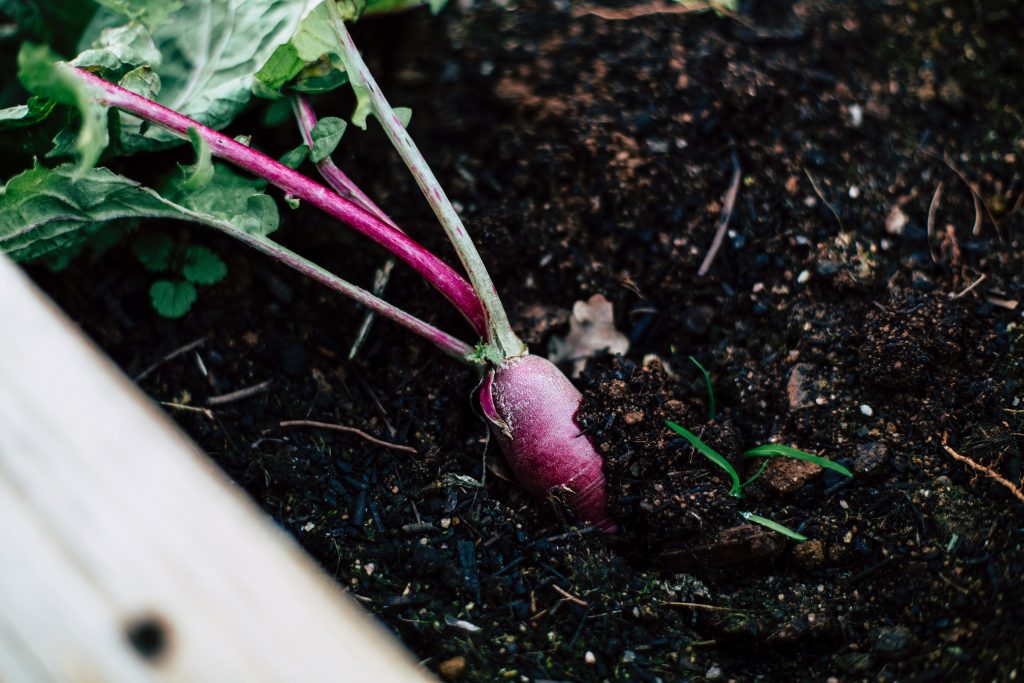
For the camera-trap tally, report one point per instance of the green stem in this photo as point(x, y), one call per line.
point(499, 331)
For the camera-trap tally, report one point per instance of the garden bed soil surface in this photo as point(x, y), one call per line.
point(591, 153)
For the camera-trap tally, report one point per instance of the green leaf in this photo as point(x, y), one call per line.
point(120, 49)
point(777, 450)
point(295, 157)
point(712, 455)
point(711, 390)
point(155, 251)
point(233, 198)
point(20, 115)
point(199, 174)
point(203, 266)
point(44, 212)
point(326, 135)
point(212, 50)
point(152, 13)
point(388, 6)
point(773, 525)
point(404, 115)
point(312, 40)
point(39, 72)
point(141, 81)
point(172, 299)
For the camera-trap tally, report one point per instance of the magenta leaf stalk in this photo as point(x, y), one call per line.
point(438, 273)
point(499, 331)
point(343, 185)
point(442, 340)
point(330, 172)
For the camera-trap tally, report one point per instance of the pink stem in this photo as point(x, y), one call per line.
point(442, 340)
point(434, 270)
point(334, 176)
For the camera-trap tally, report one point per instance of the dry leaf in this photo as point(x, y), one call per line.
point(591, 330)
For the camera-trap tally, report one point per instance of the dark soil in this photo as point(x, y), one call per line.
point(591, 155)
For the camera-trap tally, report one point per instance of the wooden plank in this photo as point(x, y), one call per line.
point(125, 555)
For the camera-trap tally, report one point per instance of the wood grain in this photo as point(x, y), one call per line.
point(125, 555)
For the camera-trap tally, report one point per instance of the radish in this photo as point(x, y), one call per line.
point(529, 403)
point(532, 408)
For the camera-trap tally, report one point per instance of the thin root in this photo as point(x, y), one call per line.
point(987, 471)
point(349, 430)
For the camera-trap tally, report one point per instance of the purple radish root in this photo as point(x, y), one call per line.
point(532, 408)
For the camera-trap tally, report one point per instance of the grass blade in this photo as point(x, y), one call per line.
point(773, 525)
point(712, 455)
point(711, 391)
point(770, 450)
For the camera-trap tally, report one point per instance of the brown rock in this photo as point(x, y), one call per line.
point(785, 475)
point(453, 668)
point(796, 388)
point(634, 417)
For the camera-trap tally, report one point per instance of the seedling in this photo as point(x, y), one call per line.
point(711, 389)
point(184, 266)
point(272, 49)
point(766, 451)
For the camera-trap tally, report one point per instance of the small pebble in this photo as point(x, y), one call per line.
point(866, 410)
point(803, 277)
point(589, 658)
point(854, 192)
point(856, 115)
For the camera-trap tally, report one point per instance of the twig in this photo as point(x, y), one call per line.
point(568, 596)
point(969, 288)
point(192, 409)
point(723, 222)
point(700, 605)
point(821, 196)
point(349, 430)
point(933, 207)
point(979, 201)
point(233, 396)
point(987, 471)
point(171, 356)
point(637, 11)
point(380, 283)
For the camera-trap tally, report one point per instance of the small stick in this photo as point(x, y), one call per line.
point(700, 605)
point(723, 222)
point(348, 430)
point(979, 202)
point(932, 208)
point(192, 409)
point(972, 286)
point(637, 11)
point(821, 196)
point(987, 471)
point(171, 356)
point(239, 395)
point(568, 596)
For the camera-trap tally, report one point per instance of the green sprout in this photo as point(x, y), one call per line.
point(711, 390)
point(765, 451)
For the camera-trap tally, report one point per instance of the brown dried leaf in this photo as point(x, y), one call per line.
point(591, 330)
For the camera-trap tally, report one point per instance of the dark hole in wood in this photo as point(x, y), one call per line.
point(149, 636)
